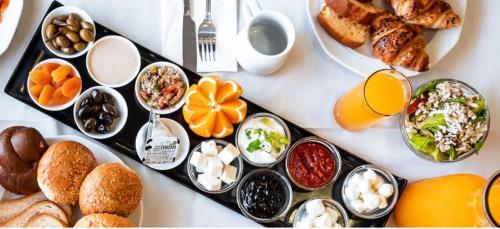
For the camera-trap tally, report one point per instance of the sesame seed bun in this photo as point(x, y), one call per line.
point(111, 188)
point(104, 220)
point(62, 169)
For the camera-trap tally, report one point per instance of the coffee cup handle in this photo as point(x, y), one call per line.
point(250, 9)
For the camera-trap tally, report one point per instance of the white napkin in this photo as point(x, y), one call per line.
point(225, 17)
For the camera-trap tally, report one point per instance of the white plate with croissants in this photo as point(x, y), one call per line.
point(65, 181)
point(368, 35)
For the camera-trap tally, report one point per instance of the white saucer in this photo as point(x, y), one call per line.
point(178, 131)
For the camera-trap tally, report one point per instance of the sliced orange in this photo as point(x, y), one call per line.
point(205, 125)
point(213, 106)
point(235, 110)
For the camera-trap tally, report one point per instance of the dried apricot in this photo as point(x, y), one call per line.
point(36, 90)
point(46, 95)
point(49, 67)
point(60, 73)
point(59, 98)
point(71, 87)
point(60, 83)
point(38, 77)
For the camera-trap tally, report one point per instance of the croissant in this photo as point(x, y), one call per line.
point(432, 14)
point(397, 43)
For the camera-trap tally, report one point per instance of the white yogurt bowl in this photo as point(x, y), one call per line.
point(66, 10)
point(120, 105)
point(56, 107)
point(144, 104)
point(113, 61)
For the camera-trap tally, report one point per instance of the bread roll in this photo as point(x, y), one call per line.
point(104, 220)
point(111, 188)
point(62, 170)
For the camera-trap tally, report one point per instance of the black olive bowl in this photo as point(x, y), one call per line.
point(285, 185)
point(115, 124)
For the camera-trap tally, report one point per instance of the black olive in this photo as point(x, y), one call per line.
point(111, 110)
point(87, 101)
point(96, 95)
point(105, 118)
point(84, 112)
point(96, 109)
point(108, 99)
point(89, 124)
point(102, 128)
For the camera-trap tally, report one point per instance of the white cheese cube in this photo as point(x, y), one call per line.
point(370, 175)
point(306, 222)
point(209, 148)
point(358, 205)
point(364, 186)
point(383, 203)
point(324, 221)
point(198, 160)
point(228, 154)
point(315, 208)
point(386, 190)
point(229, 174)
point(371, 201)
point(354, 181)
point(351, 192)
point(333, 214)
point(214, 167)
point(209, 182)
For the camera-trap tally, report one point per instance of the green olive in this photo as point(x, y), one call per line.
point(59, 21)
point(64, 30)
point(86, 25)
point(73, 22)
point(75, 29)
point(87, 35)
point(73, 37)
point(50, 31)
point(74, 17)
point(62, 41)
point(68, 50)
point(54, 44)
point(79, 46)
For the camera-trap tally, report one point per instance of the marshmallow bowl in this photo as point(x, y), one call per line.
point(370, 192)
point(215, 166)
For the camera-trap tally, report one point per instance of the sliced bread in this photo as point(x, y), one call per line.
point(43, 207)
point(362, 13)
point(11, 208)
point(344, 30)
point(43, 221)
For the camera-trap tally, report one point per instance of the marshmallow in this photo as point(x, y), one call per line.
point(315, 208)
point(324, 221)
point(351, 192)
point(364, 186)
point(209, 148)
point(306, 222)
point(358, 205)
point(228, 154)
point(386, 190)
point(378, 182)
point(370, 175)
point(198, 160)
point(371, 201)
point(383, 203)
point(333, 214)
point(355, 179)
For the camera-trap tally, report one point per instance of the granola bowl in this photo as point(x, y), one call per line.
point(447, 121)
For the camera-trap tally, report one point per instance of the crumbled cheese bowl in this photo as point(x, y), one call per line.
point(321, 213)
point(215, 166)
point(446, 121)
point(370, 192)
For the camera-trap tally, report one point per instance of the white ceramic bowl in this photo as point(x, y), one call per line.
point(118, 123)
point(138, 87)
point(132, 74)
point(58, 107)
point(66, 10)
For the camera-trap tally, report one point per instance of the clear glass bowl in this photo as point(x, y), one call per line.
point(193, 174)
point(242, 148)
point(388, 178)
point(333, 150)
point(343, 217)
point(285, 183)
point(404, 118)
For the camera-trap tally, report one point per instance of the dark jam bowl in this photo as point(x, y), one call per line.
point(255, 180)
point(332, 150)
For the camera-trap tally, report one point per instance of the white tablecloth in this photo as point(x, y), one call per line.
point(167, 203)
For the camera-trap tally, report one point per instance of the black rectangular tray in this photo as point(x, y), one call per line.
point(124, 142)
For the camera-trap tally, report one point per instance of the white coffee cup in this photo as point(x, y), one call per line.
point(263, 45)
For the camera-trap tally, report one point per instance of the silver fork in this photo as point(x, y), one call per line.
point(206, 36)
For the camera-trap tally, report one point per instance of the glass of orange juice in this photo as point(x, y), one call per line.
point(458, 200)
point(385, 93)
